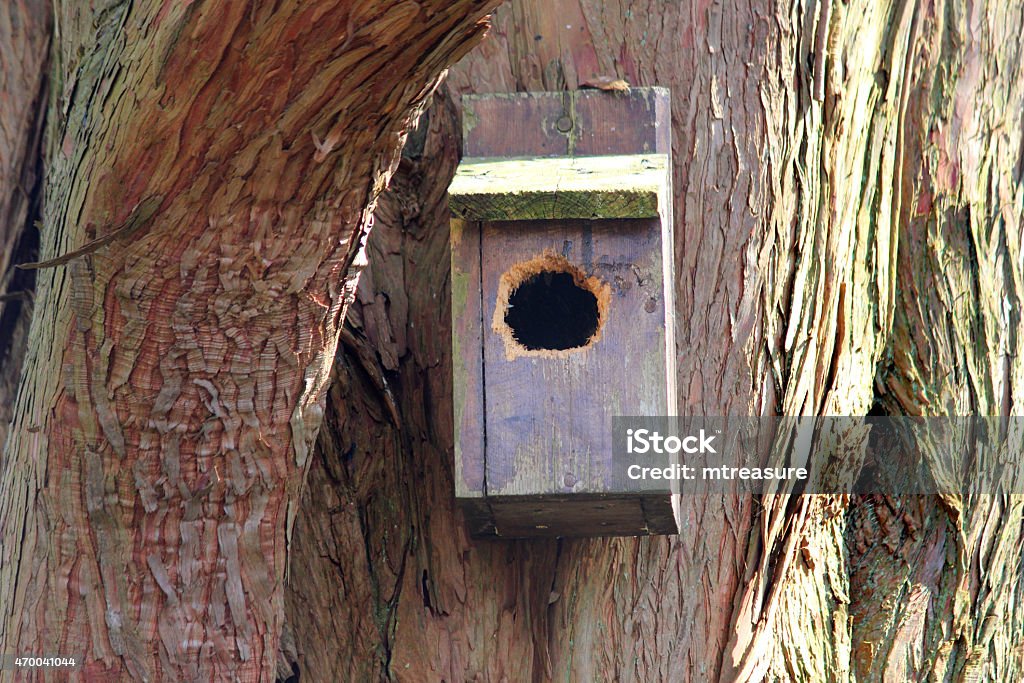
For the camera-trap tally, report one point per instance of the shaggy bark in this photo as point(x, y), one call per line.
point(848, 211)
point(230, 153)
point(24, 38)
point(848, 193)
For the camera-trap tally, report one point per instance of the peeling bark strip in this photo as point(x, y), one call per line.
point(821, 47)
point(794, 223)
point(138, 219)
point(174, 383)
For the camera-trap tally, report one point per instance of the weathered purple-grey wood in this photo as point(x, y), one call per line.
point(570, 123)
point(468, 385)
point(548, 419)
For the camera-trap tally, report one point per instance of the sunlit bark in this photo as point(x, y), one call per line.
point(174, 378)
point(856, 252)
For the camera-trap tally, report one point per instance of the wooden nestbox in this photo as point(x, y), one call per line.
point(562, 304)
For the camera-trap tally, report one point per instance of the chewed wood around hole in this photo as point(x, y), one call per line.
point(548, 308)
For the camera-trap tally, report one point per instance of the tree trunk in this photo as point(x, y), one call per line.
point(218, 163)
point(24, 38)
point(849, 202)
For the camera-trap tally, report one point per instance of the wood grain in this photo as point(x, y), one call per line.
point(548, 419)
point(568, 123)
point(468, 374)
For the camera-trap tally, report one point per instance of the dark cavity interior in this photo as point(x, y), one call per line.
point(550, 311)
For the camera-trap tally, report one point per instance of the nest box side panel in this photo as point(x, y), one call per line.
point(467, 368)
point(548, 415)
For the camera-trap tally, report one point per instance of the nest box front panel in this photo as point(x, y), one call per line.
point(574, 333)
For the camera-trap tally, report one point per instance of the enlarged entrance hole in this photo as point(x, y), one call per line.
point(548, 308)
point(550, 311)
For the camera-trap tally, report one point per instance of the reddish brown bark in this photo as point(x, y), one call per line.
point(175, 378)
